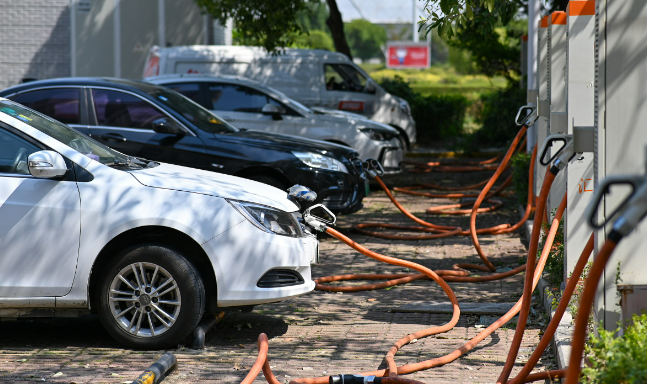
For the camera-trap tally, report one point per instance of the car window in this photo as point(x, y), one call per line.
point(234, 97)
point(64, 134)
point(194, 113)
point(190, 90)
point(61, 104)
point(343, 77)
point(119, 109)
point(14, 152)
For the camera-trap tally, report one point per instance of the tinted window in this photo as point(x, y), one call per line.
point(190, 90)
point(119, 109)
point(64, 134)
point(343, 77)
point(233, 97)
point(61, 104)
point(14, 152)
point(191, 111)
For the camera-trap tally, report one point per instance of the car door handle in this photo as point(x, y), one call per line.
point(228, 119)
point(113, 137)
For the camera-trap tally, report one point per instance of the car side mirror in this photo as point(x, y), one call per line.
point(370, 87)
point(273, 110)
point(166, 126)
point(46, 164)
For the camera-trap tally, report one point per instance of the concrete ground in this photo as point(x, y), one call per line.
point(320, 333)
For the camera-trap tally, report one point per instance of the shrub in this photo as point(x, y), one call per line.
point(436, 116)
point(555, 262)
point(620, 360)
point(520, 179)
point(497, 116)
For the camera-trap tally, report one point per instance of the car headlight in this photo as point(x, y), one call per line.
point(377, 135)
point(315, 160)
point(404, 106)
point(269, 219)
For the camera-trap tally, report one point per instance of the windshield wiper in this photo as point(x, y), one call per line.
point(120, 163)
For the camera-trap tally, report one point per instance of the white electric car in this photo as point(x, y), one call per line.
point(149, 246)
point(248, 104)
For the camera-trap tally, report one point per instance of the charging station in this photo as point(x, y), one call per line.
point(580, 98)
point(556, 71)
point(543, 106)
point(621, 139)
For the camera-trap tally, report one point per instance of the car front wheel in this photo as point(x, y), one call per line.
point(151, 298)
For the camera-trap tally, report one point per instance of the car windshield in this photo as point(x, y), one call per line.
point(193, 112)
point(68, 136)
point(303, 110)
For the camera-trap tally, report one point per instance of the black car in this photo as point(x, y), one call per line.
point(156, 123)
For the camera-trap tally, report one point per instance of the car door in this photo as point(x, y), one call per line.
point(346, 89)
point(40, 225)
point(67, 104)
point(124, 121)
point(242, 106)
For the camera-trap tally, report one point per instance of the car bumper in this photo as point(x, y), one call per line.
point(342, 193)
point(244, 254)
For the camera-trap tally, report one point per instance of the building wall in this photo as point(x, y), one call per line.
point(34, 40)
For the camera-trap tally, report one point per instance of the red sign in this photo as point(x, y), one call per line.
point(404, 54)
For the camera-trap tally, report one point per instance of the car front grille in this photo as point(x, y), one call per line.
point(280, 278)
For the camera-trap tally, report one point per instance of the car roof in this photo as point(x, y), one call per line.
point(124, 84)
point(244, 52)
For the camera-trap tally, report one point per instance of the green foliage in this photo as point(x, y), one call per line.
point(315, 39)
point(365, 39)
point(520, 177)
point(554, 269)
point(497, 112)
point(269, 24)
point(498, 54)
point(618, 360)
point(436, 116)
point(461, 60)
point(481, 15)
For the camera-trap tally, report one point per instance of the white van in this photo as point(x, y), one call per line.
point(316, 78)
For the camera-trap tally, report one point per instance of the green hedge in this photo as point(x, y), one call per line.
point(497, 113)
point(436, 116)
point(618, 360)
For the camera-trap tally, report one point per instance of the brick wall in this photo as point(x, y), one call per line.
point(34, 40)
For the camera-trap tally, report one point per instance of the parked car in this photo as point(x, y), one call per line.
point(150, 247)
point(154, 122)
point(313, 77)
point(248, 104)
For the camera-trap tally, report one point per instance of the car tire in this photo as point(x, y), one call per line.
point(268, 180)
point(160, 307)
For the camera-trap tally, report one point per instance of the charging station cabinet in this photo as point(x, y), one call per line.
point(621, 137)
point(543, 108)
point(557, 94)
point(580, 99)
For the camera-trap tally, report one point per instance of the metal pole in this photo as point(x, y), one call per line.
point(414, 24)
point(534, 16)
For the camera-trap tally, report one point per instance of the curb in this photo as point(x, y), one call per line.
point(562, 338)
point(445, 154)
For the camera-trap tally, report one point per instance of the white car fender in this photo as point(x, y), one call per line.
point(126, 207)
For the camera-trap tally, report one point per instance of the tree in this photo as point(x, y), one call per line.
point(482, 15)
point(315, 39)
point(365, 38)
point(273, 24)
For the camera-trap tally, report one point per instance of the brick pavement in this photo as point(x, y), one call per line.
point(315, 334)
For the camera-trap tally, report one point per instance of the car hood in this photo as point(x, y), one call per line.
point(268, 140)
point(350, 119)
point(171, 177)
